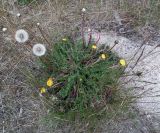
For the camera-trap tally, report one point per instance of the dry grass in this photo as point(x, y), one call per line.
point(20, 110)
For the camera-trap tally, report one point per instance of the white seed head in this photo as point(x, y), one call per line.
point(21, 36)
point(4, 29)
point(89, 30)
point(83, 10)
point(18, 15)
point(39, 49)
point(38, 24)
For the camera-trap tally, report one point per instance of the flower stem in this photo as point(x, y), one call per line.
point(82, 32)
point(43, 35)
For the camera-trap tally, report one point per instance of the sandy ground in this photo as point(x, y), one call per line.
point(147, 61)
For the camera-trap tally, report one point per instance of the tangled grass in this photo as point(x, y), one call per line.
point(141, 12)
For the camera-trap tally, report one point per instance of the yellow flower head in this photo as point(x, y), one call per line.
point(50, 82)
point(94, 46)
point(103, 56)
point(42, 90)
point(64, 39)
point(122, 62)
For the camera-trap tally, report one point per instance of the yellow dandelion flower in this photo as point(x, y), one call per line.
point(50, 82)
point(42, 90)
point(64, 39)
point(122, 62)
point(94, 46)
point(103, 56)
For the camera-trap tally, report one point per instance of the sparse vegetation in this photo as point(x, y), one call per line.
point(71, 84)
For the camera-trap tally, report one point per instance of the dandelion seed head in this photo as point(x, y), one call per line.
point(83, 10)
point(4, 29)
point(89, 30)
point(38, 24)
point(18, 14)
point(39, 49)
point(21, 36)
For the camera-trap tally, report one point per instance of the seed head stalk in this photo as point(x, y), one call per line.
point(43, 35)
point(82, 32)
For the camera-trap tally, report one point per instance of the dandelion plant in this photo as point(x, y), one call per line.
point(79, 78)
